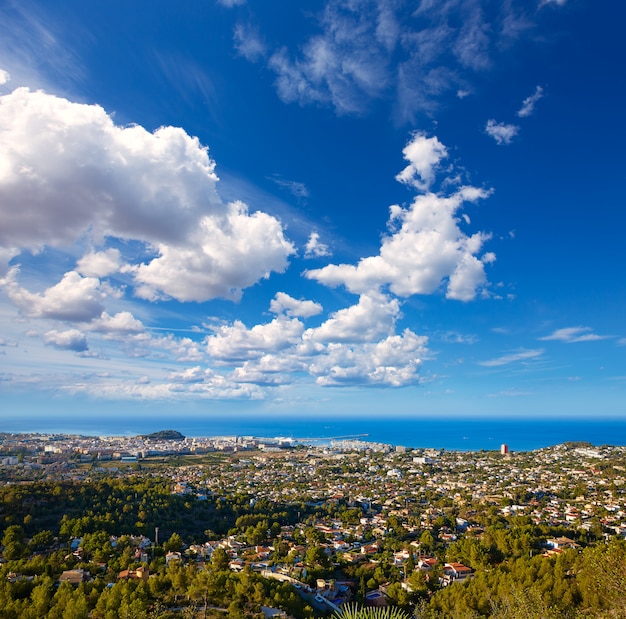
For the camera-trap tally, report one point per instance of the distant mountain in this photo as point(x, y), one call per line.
point(164, 435)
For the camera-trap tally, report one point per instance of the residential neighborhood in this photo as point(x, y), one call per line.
point(360, 521)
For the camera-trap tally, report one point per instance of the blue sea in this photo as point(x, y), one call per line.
point(455, 433)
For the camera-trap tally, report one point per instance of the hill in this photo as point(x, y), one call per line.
point(164, 435)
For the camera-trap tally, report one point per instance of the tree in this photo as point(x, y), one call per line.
point(427, 541)
point(174, 543)
point(13, 542)
point(220, 559)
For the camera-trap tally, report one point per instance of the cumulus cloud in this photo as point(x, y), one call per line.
point(219, 259)
point(71, 339)
point(571, 335)
point(514, 357)
point(423, 154)
point(66, 168)
point(314, 248)
point(74, 298)
point(237, 342)
point(528, 105)
point(4, 77)
point(122, 323)
point(391, 362)
point(283, 303)
point(427, 250)
point(372, 318)
point(502, 133)
point(99, 264)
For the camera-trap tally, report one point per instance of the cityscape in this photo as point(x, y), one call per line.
point(350, 522)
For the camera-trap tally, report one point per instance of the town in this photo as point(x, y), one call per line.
point(331, 525)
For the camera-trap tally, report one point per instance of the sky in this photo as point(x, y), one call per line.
point(333, 207)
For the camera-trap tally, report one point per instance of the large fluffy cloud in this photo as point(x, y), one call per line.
point(220, 259)
point(72, 339)
point(372, 318)
point(427, 249)
point(74, 299)
point(423, 154)
point(391, 362)
point(67, 169)
point(238, 342)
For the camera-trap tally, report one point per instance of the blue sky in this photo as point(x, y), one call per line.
point(350, 207)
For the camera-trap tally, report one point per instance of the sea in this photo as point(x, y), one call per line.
point(453, 433)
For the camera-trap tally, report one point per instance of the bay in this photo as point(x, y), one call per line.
point(452, 433)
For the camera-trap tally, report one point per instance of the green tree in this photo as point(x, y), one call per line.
point(174, 543)
point(220, 559)
point(13, 542)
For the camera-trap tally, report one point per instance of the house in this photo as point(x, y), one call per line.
point(141, 573)
point(172, 556)
point(74, 577)
point(426, 563)
point(457, 571)
point(561, 543)
point(376, 598)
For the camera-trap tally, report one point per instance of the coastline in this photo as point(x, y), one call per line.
point(454, 434)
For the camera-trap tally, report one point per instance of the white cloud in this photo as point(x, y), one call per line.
point(528, 105)
point(367, 51)
point(122, 323)
point(190, 375)
point(66, 169)
point(509, 393)
point(182, 349)
point(4, 76)
point(219, 260)
point(6, 255)
point(314, 248)
point(67, 166)
point(423, 155)
point(74, 298)
point(521, 355)
point(572, 335)
point(295, 188)
point(428, 250)
point(231, 3)
point(99, 264)
point(282, 302)
point(214, 387)
point(269, 370)
point(249, 43)
point(372, 318)
point(502, 133)
point(346, 65)
point(66, 340)
point(393, 362)
point(237, 342)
